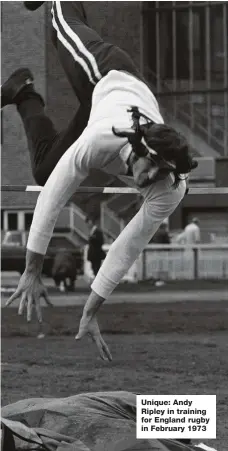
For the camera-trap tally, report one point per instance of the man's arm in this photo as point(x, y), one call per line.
point(59, 188)
point(131, 242)
point(34, 262)
point(122, 254)
point(197, 235)
point(180, 238)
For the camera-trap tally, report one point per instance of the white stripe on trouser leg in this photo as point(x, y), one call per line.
point(78, 41)
point(76, 57)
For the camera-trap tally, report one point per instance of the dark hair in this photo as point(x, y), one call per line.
point(171, 146)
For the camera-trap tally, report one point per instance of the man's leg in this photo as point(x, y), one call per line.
point(57, 281)
point(96, 264)
point(46, 146)
point(83, 54)
point(85, 58)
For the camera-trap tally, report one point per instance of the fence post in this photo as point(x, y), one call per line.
point(102, 218)
point(71, 218)
point(122, 225)
point(144, 264)
point(196, 262)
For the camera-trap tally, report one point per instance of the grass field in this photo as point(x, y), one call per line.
point(178, 348)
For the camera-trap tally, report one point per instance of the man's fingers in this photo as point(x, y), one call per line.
point(81, 333)
point(46, 298)
point(29, 307)
point(102, 347)
point(98, 340)
point(38, 310)
point(106, 349)
point(12, 298)
point(83, 329)
point(22, 304)
point(95, 337)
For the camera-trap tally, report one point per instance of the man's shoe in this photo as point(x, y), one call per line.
point(18, 81)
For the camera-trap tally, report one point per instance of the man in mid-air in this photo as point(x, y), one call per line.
point(119, 130)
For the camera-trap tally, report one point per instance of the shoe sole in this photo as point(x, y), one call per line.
point(28, 81)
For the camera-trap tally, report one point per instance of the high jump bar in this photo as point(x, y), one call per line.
point(109, 190)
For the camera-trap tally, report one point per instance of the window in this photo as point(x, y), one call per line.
point(182, 45)
point(217, 43)
point(17, 220)
point(12, 221)
point(179, 36)
point(190, 39)
point(1, 127)
point(28, 220)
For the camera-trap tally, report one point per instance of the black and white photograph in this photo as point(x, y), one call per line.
point(114, 225)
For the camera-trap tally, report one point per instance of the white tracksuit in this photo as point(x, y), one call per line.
point(98, 148)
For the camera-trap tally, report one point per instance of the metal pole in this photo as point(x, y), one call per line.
point(5, 221)
point(158, 66)
point(71, 212)
point(144, 266)
point(225, 31)
point(196, 262)
point(191, 62)
point(141, 38)
point(174, 61)
point(208, 71)
point(102, 217)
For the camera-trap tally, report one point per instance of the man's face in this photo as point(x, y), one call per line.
point(143, 171)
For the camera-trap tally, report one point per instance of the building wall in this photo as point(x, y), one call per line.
point(22, 38)
point(185, 59)
point(192, 204)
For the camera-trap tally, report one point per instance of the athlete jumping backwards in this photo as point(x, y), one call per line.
point(118, 129)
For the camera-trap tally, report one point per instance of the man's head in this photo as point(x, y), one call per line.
point(89, 221)
point(169, 147)
point(157, 151)
point(92, 220)
point(166, 151)
point(196, 221)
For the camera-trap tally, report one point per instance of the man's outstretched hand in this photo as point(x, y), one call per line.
point(89, 325)
point(30, 289)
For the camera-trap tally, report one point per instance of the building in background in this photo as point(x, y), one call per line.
point(185, 58)
point(181, 48)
